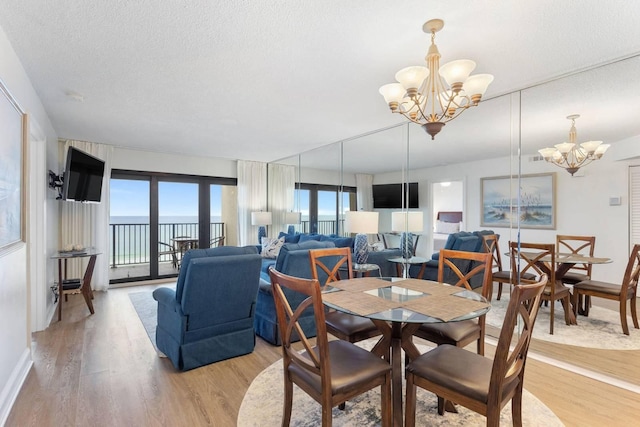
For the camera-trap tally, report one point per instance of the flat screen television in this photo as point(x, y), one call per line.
point(389, 196)
point(82, 177)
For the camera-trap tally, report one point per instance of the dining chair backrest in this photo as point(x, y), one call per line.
point(527, 257)
point(631, 275)
point(490, 245)
point(315, 363)
point(480, 265)
point(582, 245)
point(510, 359)
point(329, 261)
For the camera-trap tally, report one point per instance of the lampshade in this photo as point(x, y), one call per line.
point(361, 222)
point(407, 221)
point(261, 218)
point(292, 217)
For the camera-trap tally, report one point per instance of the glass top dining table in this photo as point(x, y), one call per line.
point(398, 307)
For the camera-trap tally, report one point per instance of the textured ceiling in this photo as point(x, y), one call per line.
point(266, 80)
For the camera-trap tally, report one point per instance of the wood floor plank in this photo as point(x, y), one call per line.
point(102, 370)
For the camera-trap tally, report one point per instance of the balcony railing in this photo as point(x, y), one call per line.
point(129, 243)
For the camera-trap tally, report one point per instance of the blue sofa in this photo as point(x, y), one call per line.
point(293, 260)
point(460, 241)
point(209, 316)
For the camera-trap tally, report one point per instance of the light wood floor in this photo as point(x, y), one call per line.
point(102, 370)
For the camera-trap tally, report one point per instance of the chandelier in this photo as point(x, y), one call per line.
point(571, 156)
point(422, 95)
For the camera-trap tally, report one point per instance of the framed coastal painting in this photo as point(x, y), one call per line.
point(12, 152)
point(537, 193)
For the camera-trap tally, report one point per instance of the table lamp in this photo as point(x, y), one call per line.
point(291, 218)
point(406, 223)
point(361, 223)
point(261, 219)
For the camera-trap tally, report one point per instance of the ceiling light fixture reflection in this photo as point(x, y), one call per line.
point(571, 156)
point(422, 95)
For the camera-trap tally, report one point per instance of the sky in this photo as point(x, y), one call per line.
point(131, 198)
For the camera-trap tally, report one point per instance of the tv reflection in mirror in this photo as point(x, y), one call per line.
point(389, 196)
point(82, 177)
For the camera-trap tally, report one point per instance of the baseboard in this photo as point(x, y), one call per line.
point(14, 384)
point(52, 312)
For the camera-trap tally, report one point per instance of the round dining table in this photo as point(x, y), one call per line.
point(398, 307)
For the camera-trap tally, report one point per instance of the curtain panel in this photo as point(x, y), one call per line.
point(252, 197)
point(282, 182)
point(87, 224)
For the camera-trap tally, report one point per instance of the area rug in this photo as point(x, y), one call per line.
point(262, 407)
point(147, 309)
point(601, 329)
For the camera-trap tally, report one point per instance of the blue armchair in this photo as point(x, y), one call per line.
point(209, 316)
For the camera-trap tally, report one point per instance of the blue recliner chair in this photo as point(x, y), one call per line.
point(209, 317)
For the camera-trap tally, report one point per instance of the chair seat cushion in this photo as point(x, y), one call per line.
point(351, 366)
point(573, 278)
point(450, 331)
point(348, 324)
point(459, 370)
point(595, 285)
point(501, 275)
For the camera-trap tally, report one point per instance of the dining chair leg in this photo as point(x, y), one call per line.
point(499, 290)
point(575, 300)
point(385, 395)
point(587, 305)
point(410, 403)
point(516, 407)
point(566, 305)
point(288, 403)
point(623, 317)
point(553, 314)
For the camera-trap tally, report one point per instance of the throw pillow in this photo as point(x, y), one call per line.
point(271, 247)
point(447, 227)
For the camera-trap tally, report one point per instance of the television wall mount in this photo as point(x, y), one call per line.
point(56, 182)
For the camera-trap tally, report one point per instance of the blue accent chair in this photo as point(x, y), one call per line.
point(292, 260)
point(209, 316)
point(460, 241)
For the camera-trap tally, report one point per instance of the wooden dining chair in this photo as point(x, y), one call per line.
point(628, 290)
point(474, 381)
point(527, 258)
point(581, 245)
point(331, 372)
point(490, 245)
point(345, 326)
point(461, 333)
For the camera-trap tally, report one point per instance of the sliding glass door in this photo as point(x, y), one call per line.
point(156, 218)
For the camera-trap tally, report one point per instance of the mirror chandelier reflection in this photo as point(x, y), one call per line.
point(421, 94)
point(571, 156)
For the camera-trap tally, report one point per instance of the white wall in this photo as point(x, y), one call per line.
point(15, 290)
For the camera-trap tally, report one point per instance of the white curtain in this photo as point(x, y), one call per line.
point(282, 182)
point(87, 224)
point(252, 197)
point(364, 195)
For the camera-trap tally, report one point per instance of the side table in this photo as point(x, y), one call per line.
point(83, 286)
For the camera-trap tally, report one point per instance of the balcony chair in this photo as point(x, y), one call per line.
point(209, 316)
point(461, 333)
point(474, 381)
point(627, 291)
point(167, 249)
point(331, 372)
point(216, 241)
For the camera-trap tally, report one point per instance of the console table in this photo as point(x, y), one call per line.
point(83, 285)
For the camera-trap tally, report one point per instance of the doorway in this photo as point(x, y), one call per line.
point(446, 196)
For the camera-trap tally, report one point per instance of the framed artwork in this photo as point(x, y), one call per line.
point(537, 193)
point(12, 154)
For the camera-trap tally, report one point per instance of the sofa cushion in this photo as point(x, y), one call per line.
point(340, 242)
point(290, 247)
point(290, 238)
point(309, 237)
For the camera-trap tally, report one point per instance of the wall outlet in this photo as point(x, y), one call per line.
point(615, 201)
